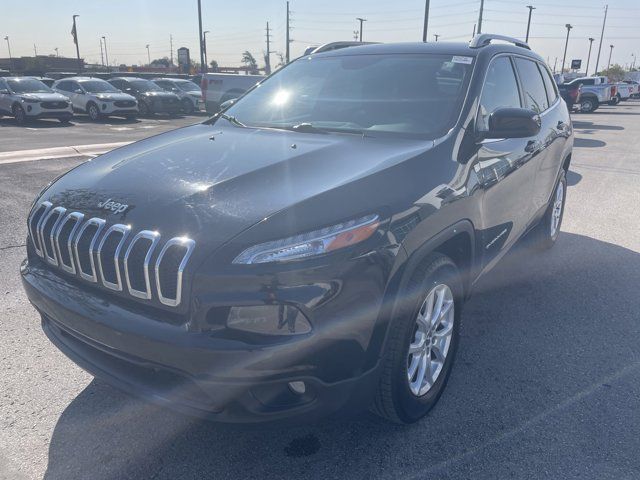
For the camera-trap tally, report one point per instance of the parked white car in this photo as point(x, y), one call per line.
point(26, 98)
point(189, 93)
point(97, 98)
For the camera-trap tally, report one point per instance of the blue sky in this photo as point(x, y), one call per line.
point(239, 25)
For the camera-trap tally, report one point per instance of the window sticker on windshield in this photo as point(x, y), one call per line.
point(465, 60)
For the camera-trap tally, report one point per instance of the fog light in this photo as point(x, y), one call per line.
point(269, 320)
point(104, 106)
point(29, 108)
point(298, 387)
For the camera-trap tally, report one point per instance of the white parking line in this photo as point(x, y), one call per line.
point(58, 152)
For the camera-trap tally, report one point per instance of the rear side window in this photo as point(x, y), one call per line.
point(550, 85)
point(535, 95)
point(500, 90)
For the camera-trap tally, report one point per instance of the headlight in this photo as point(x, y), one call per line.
point(312, 243)
point(30, 100)
point(106, 100)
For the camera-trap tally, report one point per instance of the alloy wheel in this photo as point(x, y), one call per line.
point(431, 340)
point(556, 212)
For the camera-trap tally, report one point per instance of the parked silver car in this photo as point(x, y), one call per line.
point(97, 98)
point(189, 93)
point(26, 98)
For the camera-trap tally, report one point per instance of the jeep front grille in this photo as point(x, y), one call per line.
point(111, 256)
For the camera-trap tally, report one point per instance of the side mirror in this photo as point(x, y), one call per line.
point(513, 123)
point(78, 90)
point(227, 104)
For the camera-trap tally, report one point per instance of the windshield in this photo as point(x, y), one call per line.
point(98, 86)
point(410, 94)
point(188, 86)
point(145, 86)
point(28, 85)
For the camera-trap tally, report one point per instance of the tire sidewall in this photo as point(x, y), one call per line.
point(20, 115)
point(93, 107)
point(144, 108)
point(187, 106)
point(408, 406)
point(589, 102)
point(562, 180)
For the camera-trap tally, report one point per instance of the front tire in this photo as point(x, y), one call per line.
point(93, 111)
point(144, 109)
point(422, 344)
point(588, 105)
point(187, 106)
point(19, 114)
point(547, 231)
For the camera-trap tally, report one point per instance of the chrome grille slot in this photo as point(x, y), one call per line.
point(35, 221)
point(139, 254)
point(109, 248)
point(66, 231)
point(71, 243)
point(47, 230)
point(84, 245)
point(177, 252)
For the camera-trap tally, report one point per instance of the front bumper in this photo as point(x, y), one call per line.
point(204, 374)
point(34, 110)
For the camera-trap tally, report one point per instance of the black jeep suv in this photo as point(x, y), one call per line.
point(308, 249)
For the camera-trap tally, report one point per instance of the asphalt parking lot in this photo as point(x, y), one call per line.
point(546, 384)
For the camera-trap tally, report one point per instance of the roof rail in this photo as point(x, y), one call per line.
point(327, 47)
point(484, 39)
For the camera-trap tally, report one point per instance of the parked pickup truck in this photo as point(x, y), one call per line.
point(217, 88)
point(571, 95)
point(594, 92)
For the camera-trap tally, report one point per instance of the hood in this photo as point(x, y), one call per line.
point(113, 96)
point(211, 182)
point(45, 97)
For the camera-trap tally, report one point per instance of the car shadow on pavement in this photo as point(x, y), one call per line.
point(45, 123)
point(588, 143)
point(81, 119)
point(573, 178)
point(547, 347)
point(590, 126)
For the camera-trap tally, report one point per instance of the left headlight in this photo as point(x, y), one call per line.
point(312, 243)
point(30, 100)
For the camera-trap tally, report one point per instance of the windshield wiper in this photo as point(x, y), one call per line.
point(306, 127)
point(231, 119)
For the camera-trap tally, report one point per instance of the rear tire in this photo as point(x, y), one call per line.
point(144, 108)
point(545, 234)
point(404, 396)
point(187, 106)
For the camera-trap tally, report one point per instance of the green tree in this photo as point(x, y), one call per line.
point(615, 73)
point(214, 65)
point(250, 62)
point(161, 62)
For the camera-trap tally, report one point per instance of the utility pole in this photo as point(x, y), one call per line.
point(474, 31)
point(480, 18)
point(106, 55)
point(56, 50)
point(610, 52)
point(436, 35)
point(633, 65)
point(204, 46)
point(287, 39)
point(361, 20)
point(148, 55)
point(202, 66)
point(566, 44)
point(555, 63)
point(604, 22)
point(531, 9)
point(586, 72)
point(74, 32)
point(35, 50)
point(267, 57)
point(171, 47)
point(426, 21)
point(356, 34)
point(101, 53)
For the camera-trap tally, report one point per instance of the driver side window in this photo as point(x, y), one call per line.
point(500, 90)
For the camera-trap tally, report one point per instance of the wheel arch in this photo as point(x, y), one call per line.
point(456, 242)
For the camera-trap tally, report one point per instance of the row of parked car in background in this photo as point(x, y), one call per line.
point(586, 94)
point(27, 98)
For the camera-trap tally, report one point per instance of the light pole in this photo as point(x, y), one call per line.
point(148, 55)
point(604, 22)
point(106, 55)
point(9, 47)
point(566, 44)
point(531, 9)
point(204, 47)
point(361, 20)
point(437, 35)
point(202, 67)
point(56, 50)
point(75, 40)
point(610, 52)
point(586, 72)
point(426, 21)
point(633, 65)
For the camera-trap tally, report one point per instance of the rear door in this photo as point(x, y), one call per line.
point(505, 167)
point(547, 145)
point(5, 98)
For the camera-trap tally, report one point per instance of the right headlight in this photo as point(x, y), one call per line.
point(312, 243)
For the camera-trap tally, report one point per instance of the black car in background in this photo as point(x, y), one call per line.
point(151, 98)
point(310, 248)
